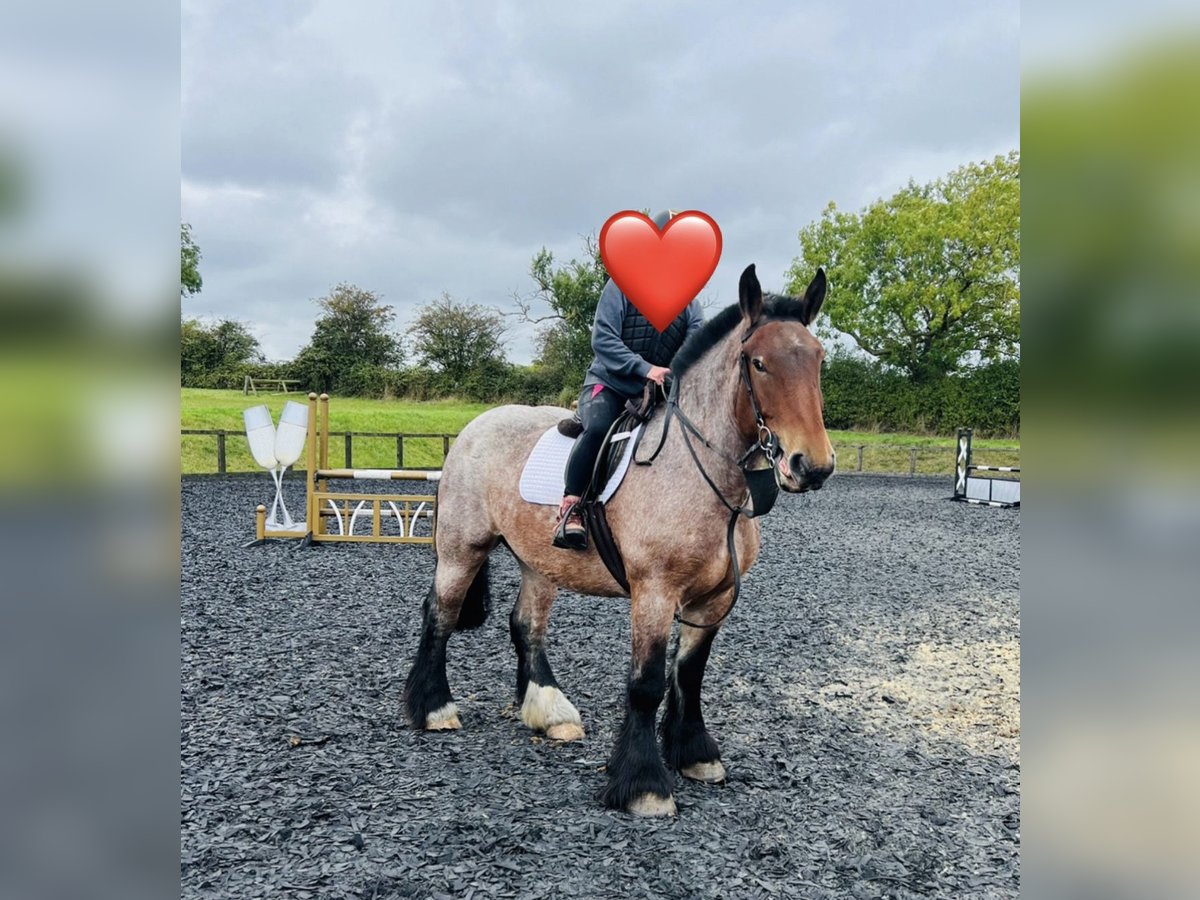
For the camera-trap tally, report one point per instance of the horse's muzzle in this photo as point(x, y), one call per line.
point(807, 476)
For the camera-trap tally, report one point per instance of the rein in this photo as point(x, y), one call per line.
point(762, 485)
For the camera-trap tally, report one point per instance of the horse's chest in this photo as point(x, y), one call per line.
point(690, 550)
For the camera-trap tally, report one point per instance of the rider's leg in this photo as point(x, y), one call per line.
point(598, 409)
point(597, 412)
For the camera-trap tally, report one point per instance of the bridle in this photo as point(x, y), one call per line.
point(762, 484)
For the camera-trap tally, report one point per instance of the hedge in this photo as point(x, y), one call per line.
point(234, 377)
point(859, 394)
point(863, 395)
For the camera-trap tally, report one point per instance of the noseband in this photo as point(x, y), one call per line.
point(762, 484)
point(763, 487)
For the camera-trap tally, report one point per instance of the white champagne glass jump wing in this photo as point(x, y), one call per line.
point(260, 435)
point(289, 444)
point(292, 431)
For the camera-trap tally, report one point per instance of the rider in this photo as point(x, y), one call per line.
point(629, 351)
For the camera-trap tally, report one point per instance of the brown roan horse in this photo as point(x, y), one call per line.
point(667, 520)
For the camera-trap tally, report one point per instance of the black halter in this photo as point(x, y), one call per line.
point(762, 484)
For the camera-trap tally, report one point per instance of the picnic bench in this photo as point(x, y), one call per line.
point(278, 385)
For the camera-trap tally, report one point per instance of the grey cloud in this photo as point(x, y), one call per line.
point(416, 150)
point(262, 103)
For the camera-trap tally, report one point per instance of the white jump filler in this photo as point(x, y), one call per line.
point(968, 488)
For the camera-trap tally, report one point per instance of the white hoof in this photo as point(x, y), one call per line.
point(444, 719)
point(653, 805)
point(708, 772)
point(565, 731)
point(545, 707)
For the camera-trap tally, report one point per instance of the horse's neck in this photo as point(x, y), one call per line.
point(707, 393)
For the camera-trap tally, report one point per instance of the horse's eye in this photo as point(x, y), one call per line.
point(758, 364)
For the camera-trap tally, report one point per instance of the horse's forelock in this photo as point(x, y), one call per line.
point(780, 307)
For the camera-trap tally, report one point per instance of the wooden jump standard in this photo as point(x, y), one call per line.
point(321, 506)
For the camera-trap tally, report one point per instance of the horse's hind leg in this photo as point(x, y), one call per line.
point(687, 745)
point(458, 600)
point(544, 707)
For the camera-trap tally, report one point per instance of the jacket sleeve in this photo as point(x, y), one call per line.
point(610, 350)
point(695, 318)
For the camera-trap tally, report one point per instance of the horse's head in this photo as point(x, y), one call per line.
point(784, 368)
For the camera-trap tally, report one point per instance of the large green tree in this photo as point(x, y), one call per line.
point(571, 291)
point(204, 349)
point(929, 278)
point(353, 331)
point(458, 339)
point(190, 281)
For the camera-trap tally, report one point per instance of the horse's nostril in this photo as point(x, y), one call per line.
point(807, 474)
point(799, 464)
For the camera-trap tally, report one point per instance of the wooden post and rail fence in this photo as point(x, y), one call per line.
point(223, 435)
point(852, 457)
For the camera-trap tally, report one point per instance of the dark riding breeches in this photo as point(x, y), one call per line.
point(597, 413)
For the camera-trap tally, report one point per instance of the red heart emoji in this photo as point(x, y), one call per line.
point(660, 272)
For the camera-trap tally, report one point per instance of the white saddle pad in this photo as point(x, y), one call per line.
point(542, 479)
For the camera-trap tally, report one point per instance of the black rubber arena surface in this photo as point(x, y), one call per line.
point(864, 694)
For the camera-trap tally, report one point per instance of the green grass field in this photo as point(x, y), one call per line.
point(893, 453)
point(206, 409)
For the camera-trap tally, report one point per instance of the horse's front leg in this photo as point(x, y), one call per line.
point(687, 745)
point(637, 779)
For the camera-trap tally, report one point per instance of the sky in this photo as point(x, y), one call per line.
point(417, 148)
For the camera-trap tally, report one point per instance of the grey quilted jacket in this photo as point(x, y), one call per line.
point(627, 345)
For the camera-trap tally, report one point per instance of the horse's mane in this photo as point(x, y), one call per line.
point(775, 308)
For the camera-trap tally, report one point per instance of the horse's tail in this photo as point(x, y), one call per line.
point(478, 602)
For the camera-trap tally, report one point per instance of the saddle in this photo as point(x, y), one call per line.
point(637, 412)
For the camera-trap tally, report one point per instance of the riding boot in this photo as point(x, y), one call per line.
point(569, 531)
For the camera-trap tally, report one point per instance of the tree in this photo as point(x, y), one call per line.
point(930, 277)
point(354, 331)
point(189, 263)
point(458, 340)
point(14, 181)
point(204, 349)
point(572, 292)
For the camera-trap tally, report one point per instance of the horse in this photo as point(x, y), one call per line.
point(747, 383)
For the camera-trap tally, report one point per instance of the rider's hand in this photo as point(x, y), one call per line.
point(657, 374)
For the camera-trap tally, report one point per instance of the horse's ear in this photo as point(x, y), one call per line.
point(750, 295)
point(814, 296)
